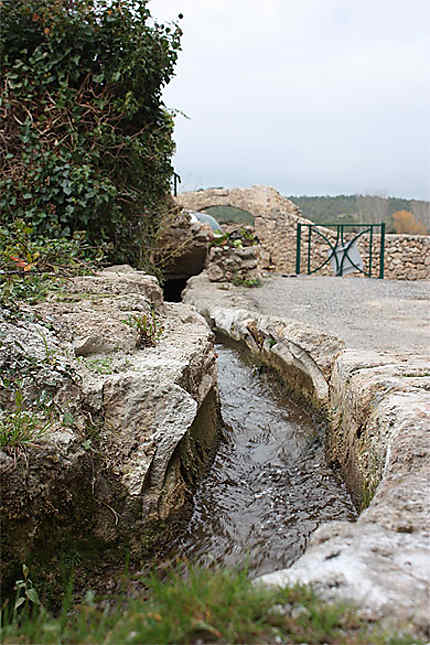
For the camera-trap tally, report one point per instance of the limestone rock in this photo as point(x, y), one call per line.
point(236, 260)
point(184, 247)
point(385, 573)
point(407, 257)
point(378, 437)
point(302, 354)
point(132, 428)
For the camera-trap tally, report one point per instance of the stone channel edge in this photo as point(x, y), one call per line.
point(378, 435)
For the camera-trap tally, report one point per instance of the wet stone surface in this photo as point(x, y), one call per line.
point(269, 487)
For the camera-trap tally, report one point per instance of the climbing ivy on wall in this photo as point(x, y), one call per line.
point(85, 139)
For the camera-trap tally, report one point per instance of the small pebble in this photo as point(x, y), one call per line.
point(298, 611)
point(281, 610)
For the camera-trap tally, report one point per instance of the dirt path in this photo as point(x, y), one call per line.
point(389, 315)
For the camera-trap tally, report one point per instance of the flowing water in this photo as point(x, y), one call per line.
point(269, 487)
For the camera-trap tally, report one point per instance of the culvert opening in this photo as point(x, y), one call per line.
point(173, 288)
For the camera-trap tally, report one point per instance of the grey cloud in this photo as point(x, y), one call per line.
point(310, 97)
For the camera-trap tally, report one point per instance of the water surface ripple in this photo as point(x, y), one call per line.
point(269, 487)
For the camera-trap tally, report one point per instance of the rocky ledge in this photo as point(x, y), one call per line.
point(125, 388)
point(378, 437)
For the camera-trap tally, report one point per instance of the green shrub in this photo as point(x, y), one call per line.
point(30, 265)
point(239, 281)
point(86, 142)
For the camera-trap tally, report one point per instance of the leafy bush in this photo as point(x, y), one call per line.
point(86, 142)
point(247, 282)
point(236, 237)
point(30, 265)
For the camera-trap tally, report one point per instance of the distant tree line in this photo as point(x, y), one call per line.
point(230, 215)
point(400, 215)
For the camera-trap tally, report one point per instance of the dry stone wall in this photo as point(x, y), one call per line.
point(235, 257)
point(407, 257)
point(239, 266)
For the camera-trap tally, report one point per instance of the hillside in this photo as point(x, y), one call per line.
point(346, 209)
point(231, 215)
point(360, 209)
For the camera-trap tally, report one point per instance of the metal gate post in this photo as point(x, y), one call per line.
point(298, 245)
point(176, 179)
point(381, 252)
point(370, 250)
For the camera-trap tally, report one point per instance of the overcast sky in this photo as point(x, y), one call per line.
point(309, 96)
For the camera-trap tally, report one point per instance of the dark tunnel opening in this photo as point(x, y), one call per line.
point(173, 288)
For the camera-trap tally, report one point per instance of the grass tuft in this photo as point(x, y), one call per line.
point(20, 425)
point(204, 606)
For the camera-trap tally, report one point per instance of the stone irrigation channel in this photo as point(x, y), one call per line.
point(359, 351)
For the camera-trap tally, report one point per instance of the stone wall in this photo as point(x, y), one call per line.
point(239, 266)
point(407, 257)
point(235, 257)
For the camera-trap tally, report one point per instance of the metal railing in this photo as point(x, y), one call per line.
point(340, 252)
point(176, 181)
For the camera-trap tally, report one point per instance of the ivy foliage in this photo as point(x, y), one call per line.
point(85, 139)
point(31, 266)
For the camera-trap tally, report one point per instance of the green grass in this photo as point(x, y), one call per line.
point(201, 607)
point(100, 365)
point(247, 282)
point(20, 425)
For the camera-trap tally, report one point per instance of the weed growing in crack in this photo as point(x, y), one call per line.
point(100, 365)
point(21, 424)
point(148, 326)
point(26, 593)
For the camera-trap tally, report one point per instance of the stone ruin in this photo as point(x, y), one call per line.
point(234, 258)
point(407, 257)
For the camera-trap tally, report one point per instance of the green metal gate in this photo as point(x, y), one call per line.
point(340, 251)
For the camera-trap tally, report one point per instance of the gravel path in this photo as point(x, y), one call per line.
point(391, 315)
